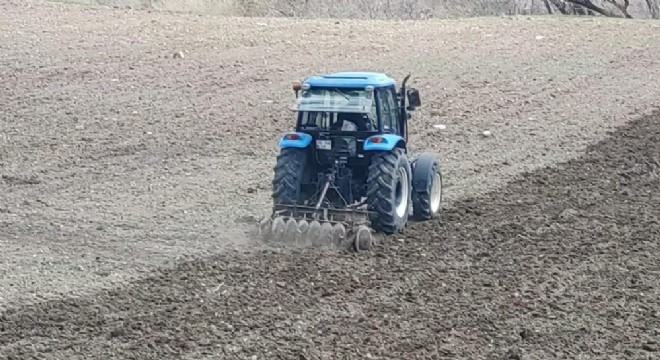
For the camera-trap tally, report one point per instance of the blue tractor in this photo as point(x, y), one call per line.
point(346, 172)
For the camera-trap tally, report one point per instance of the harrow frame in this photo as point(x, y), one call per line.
point(338, 228)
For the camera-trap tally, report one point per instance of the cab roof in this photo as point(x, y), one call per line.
point(353, 79)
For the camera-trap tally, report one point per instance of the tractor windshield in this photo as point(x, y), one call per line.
point(335, 100)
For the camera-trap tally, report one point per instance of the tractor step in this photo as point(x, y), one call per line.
point(308, 226)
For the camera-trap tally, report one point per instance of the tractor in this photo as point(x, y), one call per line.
point(345, 172)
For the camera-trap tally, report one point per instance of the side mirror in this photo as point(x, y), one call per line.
point(413, 99)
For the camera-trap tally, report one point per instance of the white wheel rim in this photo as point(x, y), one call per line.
point(402, 196)
point(436, 193)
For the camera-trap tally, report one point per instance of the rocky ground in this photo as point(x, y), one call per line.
point(129, 176)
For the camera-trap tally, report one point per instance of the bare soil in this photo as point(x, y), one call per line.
point(562, 263)
point(129, 178)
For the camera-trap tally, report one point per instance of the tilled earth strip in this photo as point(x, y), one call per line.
point(560, 263)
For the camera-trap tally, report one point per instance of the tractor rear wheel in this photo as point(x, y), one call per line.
point(389, 190)
point(427, 187)
point(288, 177)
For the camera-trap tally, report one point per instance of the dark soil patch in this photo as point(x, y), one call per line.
point(560, 264)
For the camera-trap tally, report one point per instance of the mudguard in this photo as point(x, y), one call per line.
point(295, 140)
point(422, 171)
point(387, 142)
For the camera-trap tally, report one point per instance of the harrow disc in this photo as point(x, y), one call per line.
point(363, 240)
point(325, 238)
point(277, 230)
point(303, 229)
point(339, 235)
point(264, 229)
point(291, 230)
point(314, 233)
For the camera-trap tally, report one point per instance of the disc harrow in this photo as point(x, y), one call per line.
point(326, 228)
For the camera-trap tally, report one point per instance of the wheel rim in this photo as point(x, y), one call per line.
point(436, 193)
point(402, 191)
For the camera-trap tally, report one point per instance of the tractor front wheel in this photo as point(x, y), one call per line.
point(389, 191)
point(427, 187)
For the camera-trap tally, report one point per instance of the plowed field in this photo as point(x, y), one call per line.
point(130, 177)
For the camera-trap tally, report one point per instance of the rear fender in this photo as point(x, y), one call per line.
point(295, 140)
point(385, 142)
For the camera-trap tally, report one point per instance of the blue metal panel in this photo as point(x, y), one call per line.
point(350, 80)
point(388, 143)
point(302, 142)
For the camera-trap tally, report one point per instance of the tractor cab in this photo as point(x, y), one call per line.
point(364, 104)
point(347, 116)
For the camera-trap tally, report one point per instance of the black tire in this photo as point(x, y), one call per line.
point(288, 176)
point(426, 173)
point(382, 187)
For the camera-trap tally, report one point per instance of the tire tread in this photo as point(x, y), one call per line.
point(380, 188)
point(287, 178)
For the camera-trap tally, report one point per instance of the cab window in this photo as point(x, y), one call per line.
point(394, 110)
point(388, 111)
point(385, 111)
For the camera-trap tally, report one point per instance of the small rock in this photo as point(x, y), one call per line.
point(540, 37)
point(486, 133)
point(513, 354)
point(117, 333)
point(568, 214)
point(525, 334)
point(440, 126)
point(649, 347)
point(178, 55)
